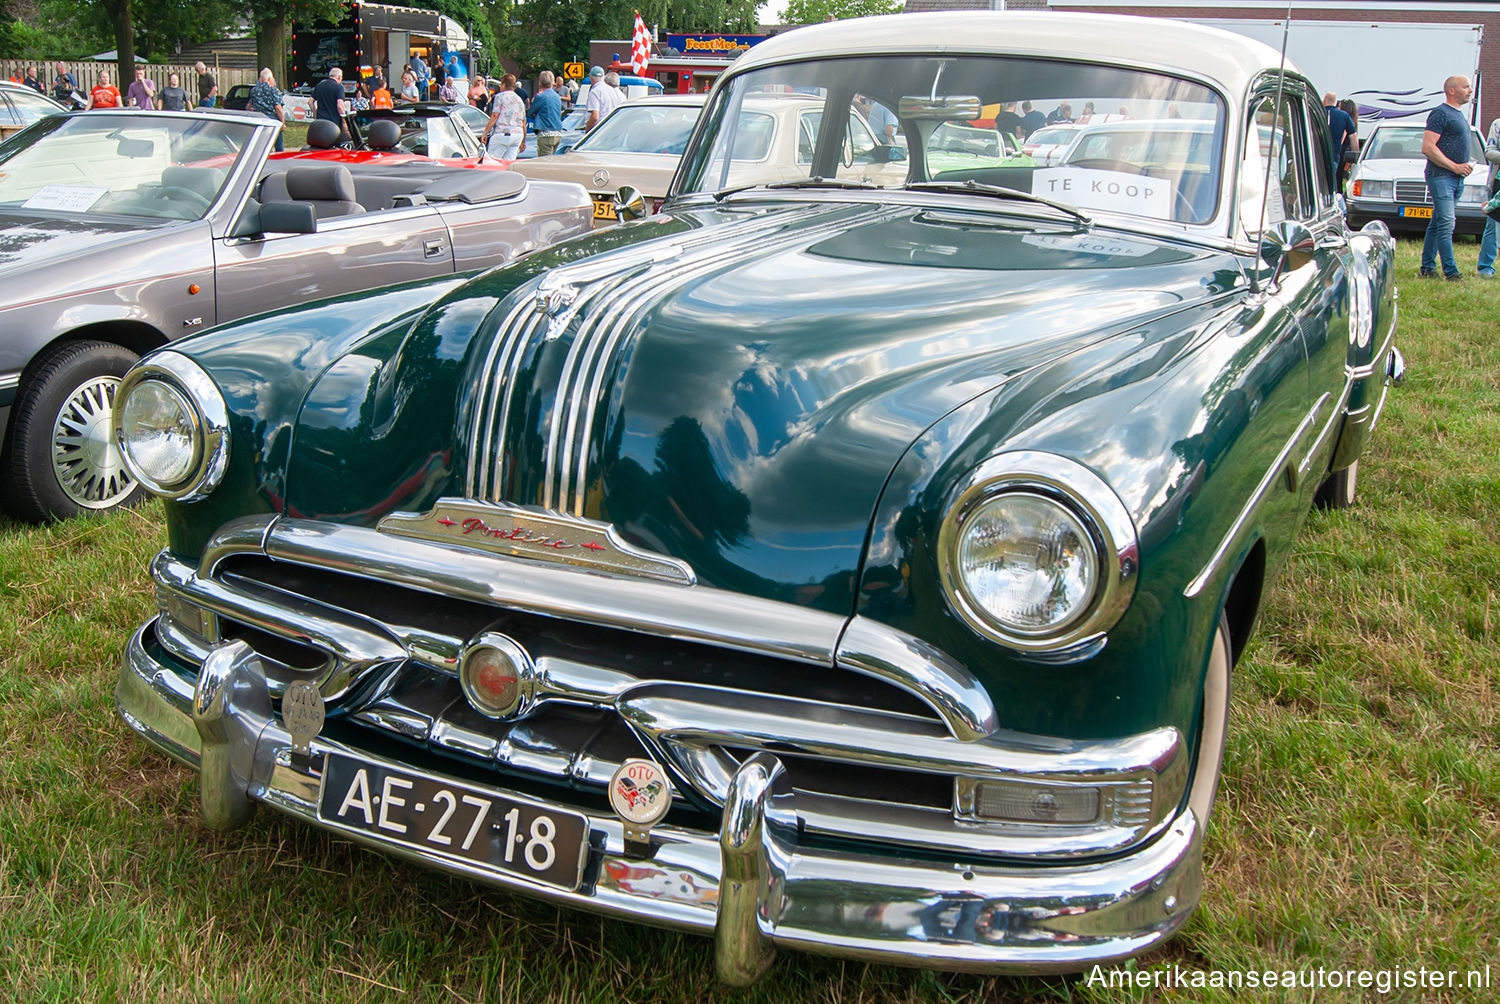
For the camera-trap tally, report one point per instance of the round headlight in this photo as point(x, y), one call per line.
point(1037, 552)
point(1026, 562)
point(159, 435)
point(172, 427)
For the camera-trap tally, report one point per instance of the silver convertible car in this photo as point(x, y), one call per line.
point(122, 230)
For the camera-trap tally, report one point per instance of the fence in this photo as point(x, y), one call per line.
point(86, 72)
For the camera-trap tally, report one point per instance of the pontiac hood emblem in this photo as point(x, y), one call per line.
point(536, 534)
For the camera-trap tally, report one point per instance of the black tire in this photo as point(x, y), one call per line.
point(1338, 489)
point(61, 460)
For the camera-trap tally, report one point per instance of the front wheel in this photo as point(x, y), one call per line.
point(62, 460)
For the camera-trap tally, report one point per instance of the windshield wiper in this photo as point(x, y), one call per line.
point(971, 187)
point(725, 193)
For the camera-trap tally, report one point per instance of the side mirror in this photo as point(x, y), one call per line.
point(629, 204)
point(276, 218)
point(1287, 245)
point(889, 154)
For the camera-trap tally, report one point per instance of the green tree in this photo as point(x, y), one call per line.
point(815, 11)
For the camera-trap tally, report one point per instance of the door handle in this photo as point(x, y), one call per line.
point(433, 248)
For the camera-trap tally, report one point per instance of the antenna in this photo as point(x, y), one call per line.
point(1265, 192)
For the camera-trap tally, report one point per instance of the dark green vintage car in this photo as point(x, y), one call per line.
point(854, 562)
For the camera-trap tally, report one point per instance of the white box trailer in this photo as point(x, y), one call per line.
point(1393, 70)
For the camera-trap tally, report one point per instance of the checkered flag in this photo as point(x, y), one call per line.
point(640, 46)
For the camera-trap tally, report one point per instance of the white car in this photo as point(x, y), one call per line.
point(1387, 182)
point(1047, 145)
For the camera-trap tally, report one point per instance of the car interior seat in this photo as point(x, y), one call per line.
point(205, 181)
point(328, 187)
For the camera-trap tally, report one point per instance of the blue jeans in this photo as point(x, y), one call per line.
point(1438, 241)
point(1488, 245)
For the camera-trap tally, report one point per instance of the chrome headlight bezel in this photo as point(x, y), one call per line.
point(1086, 499)
point(208, 414)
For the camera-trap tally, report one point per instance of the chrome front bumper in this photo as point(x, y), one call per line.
point(751, 885)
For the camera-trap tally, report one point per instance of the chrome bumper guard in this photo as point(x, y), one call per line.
point(751, 884)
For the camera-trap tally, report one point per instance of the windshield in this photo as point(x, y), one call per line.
point(643, 128)
point(916, 119)
point(1406, 144)
point(160, 167)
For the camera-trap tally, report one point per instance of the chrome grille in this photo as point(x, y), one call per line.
point(869, 759)
point(1412, 191)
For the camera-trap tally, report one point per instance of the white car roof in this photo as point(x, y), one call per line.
point(1210, 54)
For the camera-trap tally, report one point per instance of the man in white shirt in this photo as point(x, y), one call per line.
point(604, 95)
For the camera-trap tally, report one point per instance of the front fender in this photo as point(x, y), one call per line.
point(265, 367)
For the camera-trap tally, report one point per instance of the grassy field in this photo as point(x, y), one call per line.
point(1357, 826)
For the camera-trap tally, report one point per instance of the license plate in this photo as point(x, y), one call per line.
point(523, 838)
point(604, 209)
point(1417, 212)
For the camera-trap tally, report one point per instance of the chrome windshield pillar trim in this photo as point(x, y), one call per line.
point(231, 707)
point(873, 907)
point(752, 873)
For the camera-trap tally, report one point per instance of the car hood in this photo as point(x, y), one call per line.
point(736, 392)
point(35, 242)
point(650, 173)
point(1403, 168)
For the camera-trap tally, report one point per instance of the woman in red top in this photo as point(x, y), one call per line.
point(104, 94)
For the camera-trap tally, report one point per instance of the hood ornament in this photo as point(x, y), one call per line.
point(558, 304)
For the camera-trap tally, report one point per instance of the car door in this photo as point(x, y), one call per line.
point(345, 255)
point(1312, 282)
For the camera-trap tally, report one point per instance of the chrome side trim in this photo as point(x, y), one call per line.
point(1262, 490)
point(953, 911)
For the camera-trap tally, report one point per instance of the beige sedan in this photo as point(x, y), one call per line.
point(640, 143)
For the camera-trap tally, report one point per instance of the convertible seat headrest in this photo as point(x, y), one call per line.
point(329, 187)
point(383, 135)
point(322, 134)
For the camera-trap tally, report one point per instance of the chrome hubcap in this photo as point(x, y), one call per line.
point(84, 456)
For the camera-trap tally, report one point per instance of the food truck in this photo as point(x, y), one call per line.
point(375, 37)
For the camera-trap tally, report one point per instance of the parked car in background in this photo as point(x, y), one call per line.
point(572, 131)
point(637, 144)
point(640, 143)
point(1048, 144)
point(956, 146)
point(123, 230)
point(852, 557)
point(20, 106)
point(1388, 182)
point(427, 129)
point(298, 107)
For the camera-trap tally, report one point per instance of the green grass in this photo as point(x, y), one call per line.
point(1357, 825)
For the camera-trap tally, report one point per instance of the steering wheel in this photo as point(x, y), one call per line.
point(176, 192)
